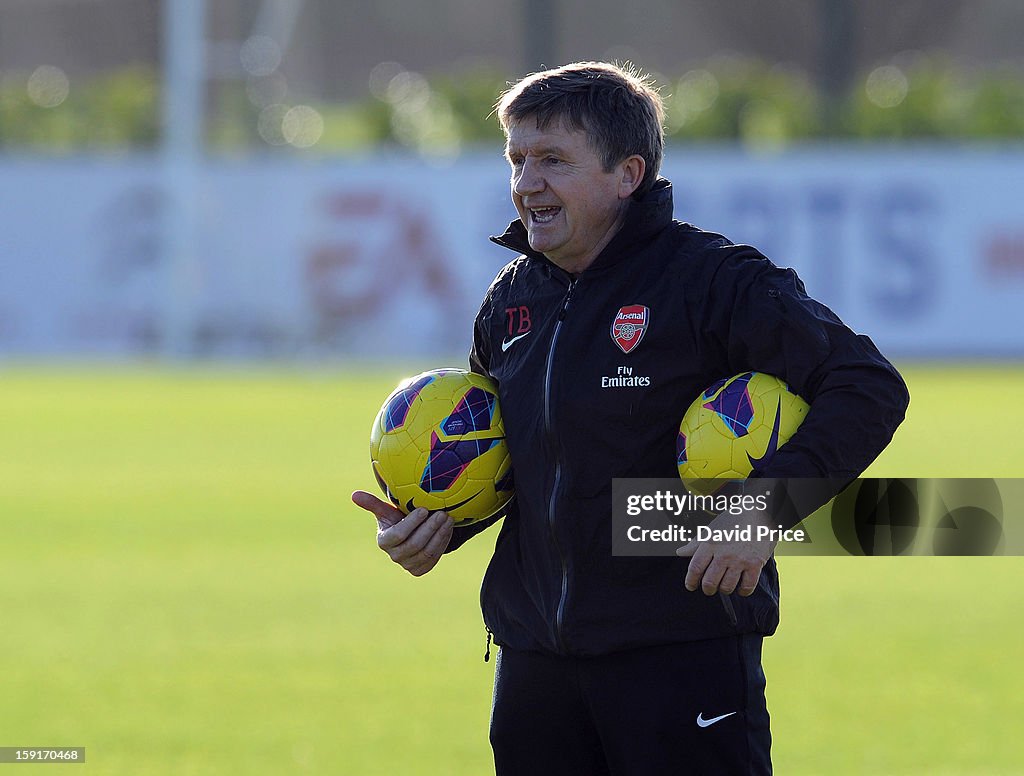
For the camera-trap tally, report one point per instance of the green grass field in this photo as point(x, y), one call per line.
point(185, 589)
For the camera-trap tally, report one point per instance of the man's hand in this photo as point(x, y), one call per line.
point(724, 567)
point(415, 541)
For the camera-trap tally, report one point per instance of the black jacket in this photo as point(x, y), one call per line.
point(714, 309)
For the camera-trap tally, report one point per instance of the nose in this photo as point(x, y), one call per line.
point(527, 179)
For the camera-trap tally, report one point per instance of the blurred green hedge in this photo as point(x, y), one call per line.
point(726, 100)
point(117, 110)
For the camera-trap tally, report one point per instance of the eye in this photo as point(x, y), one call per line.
point(515, 161)
point(552, 161)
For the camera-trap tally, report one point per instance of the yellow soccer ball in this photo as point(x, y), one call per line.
point(439, 442)
point(735, 426)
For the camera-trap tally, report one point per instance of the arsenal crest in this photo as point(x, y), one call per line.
point(629, 326)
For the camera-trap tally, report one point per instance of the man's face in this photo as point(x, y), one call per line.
point(570, 205)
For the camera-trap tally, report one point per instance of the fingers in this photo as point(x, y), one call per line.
point(698, 565)
point(392, 537)
point(712, 577)
point(748, 583)
point(387, 515)
point(417, 542)
point(720, 571)
point(688, 549)
point(428, 557)
point(730, 579)
point(725, 566)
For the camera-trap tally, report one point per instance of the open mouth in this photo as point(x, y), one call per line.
point(543, 215)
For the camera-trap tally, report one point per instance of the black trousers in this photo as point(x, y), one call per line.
point(691, 708)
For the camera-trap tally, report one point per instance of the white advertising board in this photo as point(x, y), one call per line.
point(921, 249)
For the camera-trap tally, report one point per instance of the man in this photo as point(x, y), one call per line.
point(615, 665)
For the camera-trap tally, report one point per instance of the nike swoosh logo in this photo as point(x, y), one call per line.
point(773, 441)
point(506, 344)
point(409, 506)
point(701, 722)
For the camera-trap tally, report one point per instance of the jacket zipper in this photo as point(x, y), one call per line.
point(556, 485)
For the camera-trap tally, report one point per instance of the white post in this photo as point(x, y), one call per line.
point(184, 47)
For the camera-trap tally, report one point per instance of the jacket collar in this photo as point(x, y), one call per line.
point(644, 219)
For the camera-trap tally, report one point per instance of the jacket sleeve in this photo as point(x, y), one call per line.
point(760, 318)
point(479, 362)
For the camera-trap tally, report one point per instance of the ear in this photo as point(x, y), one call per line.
point(632, 170)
